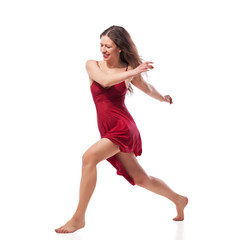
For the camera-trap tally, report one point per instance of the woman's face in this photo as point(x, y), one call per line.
point(109, 49)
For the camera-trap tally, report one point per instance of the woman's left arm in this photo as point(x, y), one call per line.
point(150, 90)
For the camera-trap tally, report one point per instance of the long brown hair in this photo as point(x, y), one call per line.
point(123, 40)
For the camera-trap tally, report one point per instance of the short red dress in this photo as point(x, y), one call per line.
point(115, 122)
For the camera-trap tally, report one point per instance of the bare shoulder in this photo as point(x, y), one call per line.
point(90, 63)
point(90, 66)
point(94, 71)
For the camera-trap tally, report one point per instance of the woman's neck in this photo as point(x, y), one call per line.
point(114, 64)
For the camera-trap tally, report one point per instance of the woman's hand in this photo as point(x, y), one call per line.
point(144, 67)
point(150, 90)
point(167, 98)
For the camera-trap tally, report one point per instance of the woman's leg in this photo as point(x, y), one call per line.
point(140, 177)
point(101, 150)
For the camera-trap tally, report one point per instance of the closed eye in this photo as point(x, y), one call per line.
point(101, 45)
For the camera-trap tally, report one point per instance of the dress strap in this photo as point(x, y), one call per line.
point(98, 64)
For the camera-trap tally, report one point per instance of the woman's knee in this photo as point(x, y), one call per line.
point(141, 180)
point(89, 159)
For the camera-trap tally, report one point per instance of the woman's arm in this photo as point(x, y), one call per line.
point(150, 90)
point(108, 80)
point(105, 80)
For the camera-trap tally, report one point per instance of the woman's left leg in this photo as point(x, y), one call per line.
point(99, 151)
point(140, 177)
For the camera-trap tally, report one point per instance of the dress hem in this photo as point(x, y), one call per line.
point(139, 153)
point(114, 161)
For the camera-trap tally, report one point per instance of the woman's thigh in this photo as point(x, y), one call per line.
point(133, 168)
point(100, 150)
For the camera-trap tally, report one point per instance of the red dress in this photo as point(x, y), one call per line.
point(116, 123)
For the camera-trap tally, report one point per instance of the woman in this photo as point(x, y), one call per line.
point(120, 141)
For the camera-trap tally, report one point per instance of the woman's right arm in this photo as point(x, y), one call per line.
point(105, 80)
point(108, 80)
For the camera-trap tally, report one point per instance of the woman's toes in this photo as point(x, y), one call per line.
point(178, 219)
point(59, 230)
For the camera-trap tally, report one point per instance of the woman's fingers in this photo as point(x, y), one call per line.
point(144, 67)
point(147, 65)
point(168, 99)
point(171, 100)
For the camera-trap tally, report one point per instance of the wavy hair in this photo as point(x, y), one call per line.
point(123, 40)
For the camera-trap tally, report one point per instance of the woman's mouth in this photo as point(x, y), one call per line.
point(105, 55)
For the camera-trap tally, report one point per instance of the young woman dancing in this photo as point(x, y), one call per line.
point(120, 141)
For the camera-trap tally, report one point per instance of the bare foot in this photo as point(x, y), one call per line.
point(71, 226)
point(182, 203)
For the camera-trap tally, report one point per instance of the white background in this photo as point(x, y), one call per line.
point(48, 118)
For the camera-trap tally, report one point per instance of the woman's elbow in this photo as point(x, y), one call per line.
point(106, 83)
point(147, 89)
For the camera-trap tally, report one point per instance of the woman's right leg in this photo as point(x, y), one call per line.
point(101, 150)
point(153, 184)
